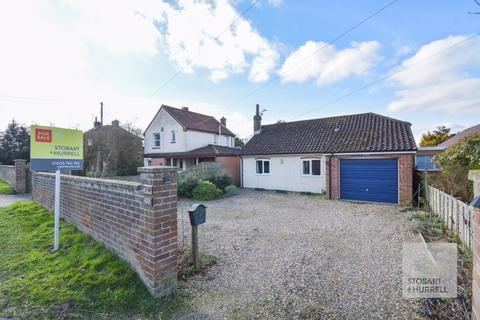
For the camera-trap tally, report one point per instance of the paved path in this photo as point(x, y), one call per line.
point(288, 256)
point(8, 199)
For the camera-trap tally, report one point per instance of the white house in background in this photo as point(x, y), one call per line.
point(182, 138)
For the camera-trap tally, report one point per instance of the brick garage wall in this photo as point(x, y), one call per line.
point(231, 166)
point(475, 177)
point(137, 221)
point(405, 166)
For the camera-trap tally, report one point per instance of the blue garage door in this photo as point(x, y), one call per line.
point(373, 180)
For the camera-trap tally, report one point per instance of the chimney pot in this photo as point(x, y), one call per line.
point(185, 108)
point(257, 121)
point(223, 121)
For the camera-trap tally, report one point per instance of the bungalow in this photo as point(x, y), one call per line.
point(425, 158)
point(361, 157)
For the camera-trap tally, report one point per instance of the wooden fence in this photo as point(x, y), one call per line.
point(456, 215)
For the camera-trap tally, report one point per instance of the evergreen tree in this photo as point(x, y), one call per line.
point(14, 143)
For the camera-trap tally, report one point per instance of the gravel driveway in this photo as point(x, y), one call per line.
point(288, 256)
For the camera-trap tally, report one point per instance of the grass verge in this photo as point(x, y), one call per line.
point(5, 188)
point(83, 280)
point(432, 228)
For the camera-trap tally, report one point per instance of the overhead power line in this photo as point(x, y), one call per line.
point(391, 74)
point(176, 74)
point(340, 36)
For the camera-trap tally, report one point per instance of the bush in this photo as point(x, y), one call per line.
point(222, 180)
point(206, 191)
point(231, 190)
point(186, 187)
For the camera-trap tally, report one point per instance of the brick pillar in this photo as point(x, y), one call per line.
point(160, 201)
point(475, 177)
point(20, 175)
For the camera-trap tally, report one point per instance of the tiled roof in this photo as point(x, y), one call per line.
point(460, 136)
point(195, 121)
point(366, 132)
point(203, 152)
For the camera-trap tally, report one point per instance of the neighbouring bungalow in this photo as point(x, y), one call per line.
point(182, 138)
point(361, 157)
point(425, 158)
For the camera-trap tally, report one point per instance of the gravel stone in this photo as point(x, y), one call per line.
point(289, 256)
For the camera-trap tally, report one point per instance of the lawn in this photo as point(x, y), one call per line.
point(5, 188)
point(83, 280)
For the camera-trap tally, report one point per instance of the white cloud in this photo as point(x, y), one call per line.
point(275, 3)
point(191, 41)
point(445, 82)
point(329, 65)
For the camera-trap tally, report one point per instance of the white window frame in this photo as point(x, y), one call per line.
point(155, 140)
point(173, 136)
point(263, 167)
point(310, 174)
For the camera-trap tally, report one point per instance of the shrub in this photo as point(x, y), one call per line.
point(221, 180)
point(206, 191)
point(231, 190)
point(186, 187)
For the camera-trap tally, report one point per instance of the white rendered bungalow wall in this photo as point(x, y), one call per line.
point(184, 140)
point(286, 173)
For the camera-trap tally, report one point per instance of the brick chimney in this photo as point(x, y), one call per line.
point(185, 108)
point(257, 121)
point(115, 123)
point(223, 121)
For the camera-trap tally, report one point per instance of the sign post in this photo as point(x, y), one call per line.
point(52, 150)
point(197, 214)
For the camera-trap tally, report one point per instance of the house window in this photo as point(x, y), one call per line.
point(215, 138)
point(311, 167)
point(426, 163)
point(226, 141)
point(173, 136)
point(89, 142)
point(263, 166)
point(156, 140)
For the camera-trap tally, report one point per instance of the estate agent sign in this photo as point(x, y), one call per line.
point(51, 150)
point(55, 149)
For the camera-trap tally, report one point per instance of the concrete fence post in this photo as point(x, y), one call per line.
point(474, 175)
point(20, 175)
point(160, 201)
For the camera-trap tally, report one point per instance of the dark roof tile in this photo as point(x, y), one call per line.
point(366, 132)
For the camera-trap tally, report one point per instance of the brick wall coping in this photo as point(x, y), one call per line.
point(156, 169)
point(109, 182)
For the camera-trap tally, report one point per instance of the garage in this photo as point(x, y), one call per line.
point(373, 180)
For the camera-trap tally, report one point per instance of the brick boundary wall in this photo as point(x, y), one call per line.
point(137, 221)
point(405, 166)
point(475, 177)
point(16, 175)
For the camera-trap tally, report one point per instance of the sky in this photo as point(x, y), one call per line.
point(416, 61)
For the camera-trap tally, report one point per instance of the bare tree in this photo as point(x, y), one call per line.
point(132, 128)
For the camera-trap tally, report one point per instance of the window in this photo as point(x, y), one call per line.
point(173, 136)
point(156, 140)
point(263, 166)
point(311, 167)
point(426, 163)
point(226, 141)
point(215, 138)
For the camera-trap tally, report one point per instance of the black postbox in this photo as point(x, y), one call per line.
point(197, 214)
